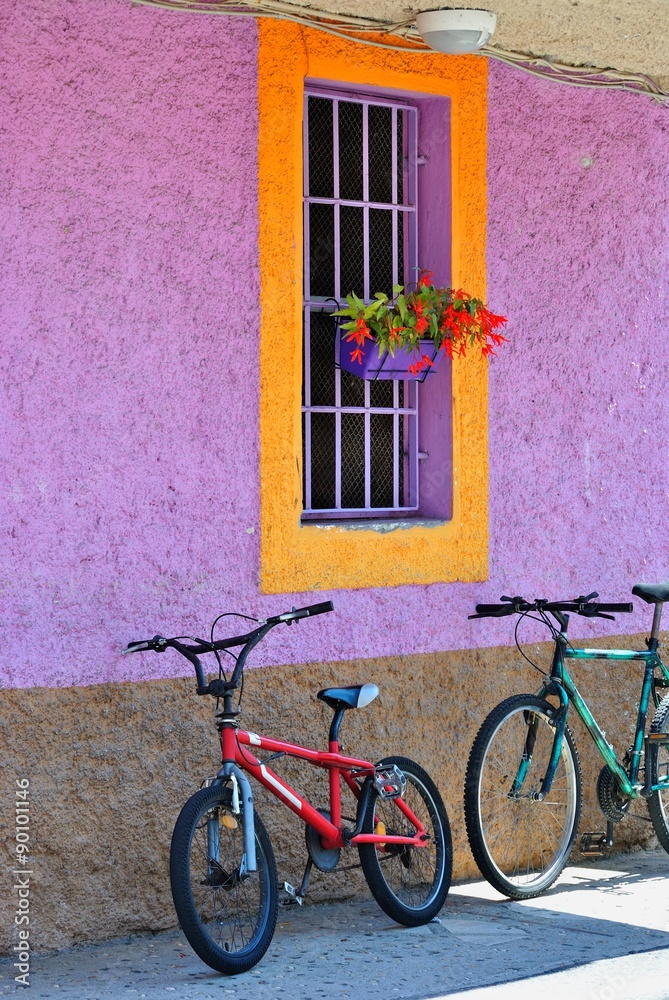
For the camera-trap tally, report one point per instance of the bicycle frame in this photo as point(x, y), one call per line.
point(561, 684)
point(235, 756)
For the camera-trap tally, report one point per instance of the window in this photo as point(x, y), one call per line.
point(448, 540)
point(360, 438)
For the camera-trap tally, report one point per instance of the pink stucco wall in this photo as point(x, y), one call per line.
point(128, 212)
point(128, 195)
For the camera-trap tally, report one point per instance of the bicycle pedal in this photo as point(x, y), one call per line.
point(291, 896)
point(389, 782)
point(594, 845)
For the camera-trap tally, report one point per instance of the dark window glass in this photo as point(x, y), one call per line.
point(322, 460)
point(321, 251)
point(321, 165)
point(350, 151)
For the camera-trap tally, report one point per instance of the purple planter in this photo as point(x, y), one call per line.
point(386, 368)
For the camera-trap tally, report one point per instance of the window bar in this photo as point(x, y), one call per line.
point(394, 196)
point(366, 292)
point(368, 450)
point(397, 451)
point(318, 199)
point(413, 451)
point(394, 153)
point(337, 295)
point(411, 186)
point(365, 196)
point(307, 413)
point(307, 207)
point(306, 339)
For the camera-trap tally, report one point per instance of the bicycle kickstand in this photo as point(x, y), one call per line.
point(297, 895)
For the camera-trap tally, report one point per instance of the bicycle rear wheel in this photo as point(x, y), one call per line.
point(227, 915)
point(409, 883)
point(658, 763)
point(521, 843)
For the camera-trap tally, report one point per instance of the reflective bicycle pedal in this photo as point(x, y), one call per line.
point(291, 894)
point(389, 782)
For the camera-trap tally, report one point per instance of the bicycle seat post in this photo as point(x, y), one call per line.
point(654, 640)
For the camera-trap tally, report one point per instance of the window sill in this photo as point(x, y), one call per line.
point(381, 525)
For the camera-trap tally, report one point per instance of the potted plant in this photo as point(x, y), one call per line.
point(406, 336)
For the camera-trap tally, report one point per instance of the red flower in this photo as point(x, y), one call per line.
point(425, 279)
point(357, 355)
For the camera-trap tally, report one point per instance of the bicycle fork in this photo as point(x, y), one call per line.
point(241, 793)
point(560, 721)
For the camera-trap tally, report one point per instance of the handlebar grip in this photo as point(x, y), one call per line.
point(617, 608)
point(136, 646)
point(317, 609)
point(297, 613)
point(495, 610)
point(156, 645)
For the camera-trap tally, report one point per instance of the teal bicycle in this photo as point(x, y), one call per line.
point(523, 780)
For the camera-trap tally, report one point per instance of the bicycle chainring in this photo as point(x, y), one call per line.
point(326, 860)
point(613, 803)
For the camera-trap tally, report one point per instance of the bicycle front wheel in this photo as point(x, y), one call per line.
point(521, 843)
point(658, 763)
point(409, 883)
point(227, 914)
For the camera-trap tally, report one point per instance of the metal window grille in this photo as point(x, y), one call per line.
point(360, 438)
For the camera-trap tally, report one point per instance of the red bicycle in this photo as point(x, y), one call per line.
point(222, 868)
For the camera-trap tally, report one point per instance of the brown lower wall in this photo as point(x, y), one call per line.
point(111, 765)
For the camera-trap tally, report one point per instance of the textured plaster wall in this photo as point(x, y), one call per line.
point(129, 317)
point(129, 408)
point(578, 257)
point(129, 385)
point(129, 755)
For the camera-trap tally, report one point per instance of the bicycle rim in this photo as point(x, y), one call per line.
point(521, 843)
point(227, 915)
point(658, 762)
point(409, 883)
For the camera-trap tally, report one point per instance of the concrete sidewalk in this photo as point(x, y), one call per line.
point(581, 940)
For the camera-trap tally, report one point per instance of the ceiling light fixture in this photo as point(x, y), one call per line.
point(456, 31)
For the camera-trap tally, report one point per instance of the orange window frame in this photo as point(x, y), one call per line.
point(301, 557)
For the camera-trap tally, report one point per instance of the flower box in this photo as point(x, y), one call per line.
point(402, 337)
point(387, 368)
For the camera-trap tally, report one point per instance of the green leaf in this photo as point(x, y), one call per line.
point(401, 305)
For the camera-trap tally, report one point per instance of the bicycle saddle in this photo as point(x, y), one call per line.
point(355, 696)
point(652, 593)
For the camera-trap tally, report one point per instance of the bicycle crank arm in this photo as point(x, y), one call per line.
point(420, 840)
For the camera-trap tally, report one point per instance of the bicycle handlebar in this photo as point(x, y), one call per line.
point(218, 687)
point(580, 606)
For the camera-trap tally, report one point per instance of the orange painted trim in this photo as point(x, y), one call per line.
point(297, 557)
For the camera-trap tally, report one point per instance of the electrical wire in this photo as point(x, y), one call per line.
point(356, 28)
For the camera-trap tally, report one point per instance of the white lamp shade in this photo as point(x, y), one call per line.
point(456, 31)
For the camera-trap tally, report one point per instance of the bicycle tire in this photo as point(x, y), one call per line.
point(520, 844)
point(410, 884)
point(658, 762)
point(229, 921)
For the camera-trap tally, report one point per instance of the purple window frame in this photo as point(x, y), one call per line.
point(405, 393)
